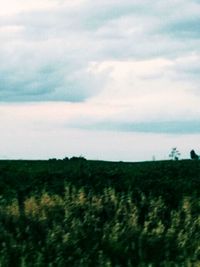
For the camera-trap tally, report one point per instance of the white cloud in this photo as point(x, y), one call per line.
point(11, 7)
point(67, 36)
point(45, 130)
point(149, 89)
point(35, 131)
point(119, 63)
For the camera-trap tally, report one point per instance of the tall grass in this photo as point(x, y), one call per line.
point(83, 229)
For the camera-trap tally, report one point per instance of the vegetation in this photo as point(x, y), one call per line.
point(193, 155)
point(174, 154)
point(88, 213)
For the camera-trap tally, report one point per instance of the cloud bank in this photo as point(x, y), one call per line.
point(127, 65)
point(48, 47)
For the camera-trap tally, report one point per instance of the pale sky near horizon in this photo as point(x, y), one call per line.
point(110, 80)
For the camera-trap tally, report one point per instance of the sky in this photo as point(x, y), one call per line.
point(109, 80)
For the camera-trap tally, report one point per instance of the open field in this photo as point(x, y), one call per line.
point(93, 213)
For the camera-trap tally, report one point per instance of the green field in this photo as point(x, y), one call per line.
point(93, 213)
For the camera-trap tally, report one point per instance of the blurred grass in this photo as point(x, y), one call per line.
point(86, 213)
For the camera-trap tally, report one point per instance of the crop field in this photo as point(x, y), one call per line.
point(93, 213)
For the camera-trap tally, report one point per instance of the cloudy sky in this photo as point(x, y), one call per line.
point(113, 80)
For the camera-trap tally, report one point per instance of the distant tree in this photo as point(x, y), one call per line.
point(193, 155)
point(80, 158)
point(174, 154)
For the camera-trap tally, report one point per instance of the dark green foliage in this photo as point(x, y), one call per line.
point(193, 155)
point(87, 213)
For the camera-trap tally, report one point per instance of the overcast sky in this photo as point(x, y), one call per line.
point(113, 80)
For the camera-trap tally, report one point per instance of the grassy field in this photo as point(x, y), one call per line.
point(93, 213)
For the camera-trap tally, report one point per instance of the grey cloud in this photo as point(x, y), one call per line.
point(188, 28)
point(46, 84)
point(186, 69)
point(167, 127)
point(49, 56)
